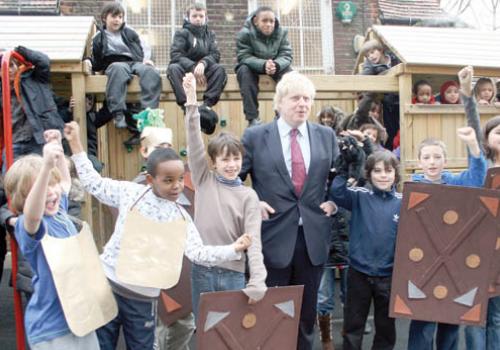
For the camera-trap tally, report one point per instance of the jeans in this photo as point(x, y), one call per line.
point(326, 291)
point(213, 279)
point(421, 336)
point(21, 149)
point(488, 337)
point(361, 289)
point(138, 321)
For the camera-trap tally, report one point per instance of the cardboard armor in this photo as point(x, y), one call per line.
point(447, 244)
point(227, 322)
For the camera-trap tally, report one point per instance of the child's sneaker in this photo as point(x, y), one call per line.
point(119, 120)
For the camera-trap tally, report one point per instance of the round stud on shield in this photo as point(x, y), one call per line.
point(249, 320)
point(416, 254)
point(440, 292)
point(450, 217)
point(473, 261)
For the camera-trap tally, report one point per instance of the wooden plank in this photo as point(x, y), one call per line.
point(406, 143)
point(335, 83)
point(451, 70)
point(447, 109)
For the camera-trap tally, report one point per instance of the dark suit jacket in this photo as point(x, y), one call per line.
point(265, 163)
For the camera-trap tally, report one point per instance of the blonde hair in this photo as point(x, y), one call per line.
point(20, 178)
point(431, 142)
point(371, 45)
point(293, 82)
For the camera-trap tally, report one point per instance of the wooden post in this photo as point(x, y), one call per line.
point(405, 87)
point(80, 116)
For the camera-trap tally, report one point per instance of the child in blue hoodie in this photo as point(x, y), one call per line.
point(432, 160)
point(371, 248)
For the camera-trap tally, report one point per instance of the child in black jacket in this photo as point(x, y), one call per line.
point(194, 49)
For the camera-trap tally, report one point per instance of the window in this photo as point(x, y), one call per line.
point(156, 22)
point(310, 31)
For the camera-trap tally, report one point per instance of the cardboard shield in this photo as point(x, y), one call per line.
point(227, 322)
point(151, 252)
point(176, 302)
point(444, 252)
point(83, 290)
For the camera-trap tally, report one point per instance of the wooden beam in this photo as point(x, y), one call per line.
point(80, 116)
point(447, 109)
point(450, 70)
point(70, 67)
point(324, 83)
point(406, 143)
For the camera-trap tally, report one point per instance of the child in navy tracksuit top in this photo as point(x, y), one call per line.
point(374, 222)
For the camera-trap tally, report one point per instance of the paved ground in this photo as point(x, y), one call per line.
point(7, 326)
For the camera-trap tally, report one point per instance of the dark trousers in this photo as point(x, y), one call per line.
point(138, 321)
point(361, 289)
point(216, 81)
point(249, 88)
point(300, 271)
point(119, 75)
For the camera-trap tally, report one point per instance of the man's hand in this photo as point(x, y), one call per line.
point(468, 135)
point(465, 78)
point(270, 67)
point(328, 208)
point(265, 210)
point(242, 243)
point(199, 74)
point(148, 62)
point(189, 85)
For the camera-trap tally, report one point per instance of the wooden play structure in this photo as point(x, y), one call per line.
point(436, 54)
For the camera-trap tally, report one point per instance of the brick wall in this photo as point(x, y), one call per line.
point(82, 7)
point(343, 34)
point(226, 19)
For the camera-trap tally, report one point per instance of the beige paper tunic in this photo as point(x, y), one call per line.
point(151, 252)
point(83, 290)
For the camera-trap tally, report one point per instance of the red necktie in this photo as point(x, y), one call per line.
point(298, 165)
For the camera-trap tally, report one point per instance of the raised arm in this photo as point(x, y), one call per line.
point(34, 206)
point(62, 163)
point(473, 119)
point(197, 161)
point(107, 191)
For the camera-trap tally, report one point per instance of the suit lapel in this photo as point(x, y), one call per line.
point(275, 149)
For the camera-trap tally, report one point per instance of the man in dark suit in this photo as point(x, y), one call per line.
point(289, 161)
